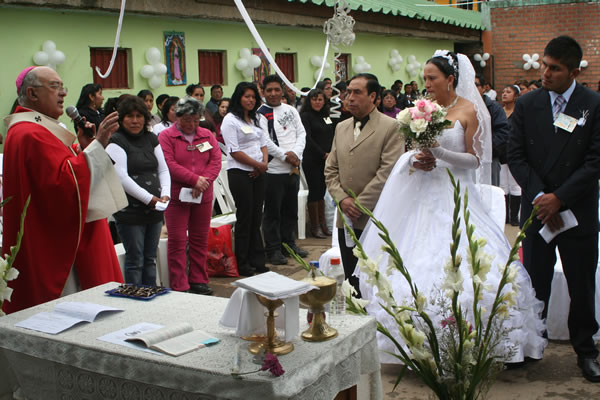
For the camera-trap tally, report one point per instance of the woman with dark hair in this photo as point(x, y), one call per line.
point(196, 91)
point(194, 161)
point(523, 85)
point(319, 136)
point(168, 115)
point(512, 190)
point(423, 230)
point(222, 110)
point(247, 160)
point(388, 104)
point(144, 174)
point(148, 98)
point(90, 102)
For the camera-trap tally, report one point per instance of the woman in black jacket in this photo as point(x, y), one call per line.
point(319, 136)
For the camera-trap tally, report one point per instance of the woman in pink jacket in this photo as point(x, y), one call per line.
point(194, 160)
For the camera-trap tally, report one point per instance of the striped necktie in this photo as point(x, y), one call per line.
point(558, 106)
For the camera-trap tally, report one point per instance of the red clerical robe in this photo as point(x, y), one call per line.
point(56, 236)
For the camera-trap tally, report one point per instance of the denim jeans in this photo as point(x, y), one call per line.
point(140, 243)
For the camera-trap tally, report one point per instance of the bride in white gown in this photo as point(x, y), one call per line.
point(416, 206)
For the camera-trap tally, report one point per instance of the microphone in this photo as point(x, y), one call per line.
point(74, 115)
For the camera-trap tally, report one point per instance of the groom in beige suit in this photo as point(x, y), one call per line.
point(364, 151)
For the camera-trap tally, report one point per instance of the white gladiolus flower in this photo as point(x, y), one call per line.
point(510, 298)
point(418, 125)
point(3, 265)
point(12, 274)
point(347, 289)
point(421, 301)
point(5, 291)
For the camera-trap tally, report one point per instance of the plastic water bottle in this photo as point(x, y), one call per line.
point(338, 305)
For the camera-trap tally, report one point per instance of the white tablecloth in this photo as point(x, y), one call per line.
point(75, 365)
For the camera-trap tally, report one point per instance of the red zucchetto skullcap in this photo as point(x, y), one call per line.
point(22, 76)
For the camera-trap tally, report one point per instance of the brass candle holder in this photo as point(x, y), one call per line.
point(315, 300)
point(271, 344)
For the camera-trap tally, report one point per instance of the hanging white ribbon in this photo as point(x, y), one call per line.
point(116, 46)
point(267, 54)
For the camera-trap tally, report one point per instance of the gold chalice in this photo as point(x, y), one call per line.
point(315, 300)
point(271, 344)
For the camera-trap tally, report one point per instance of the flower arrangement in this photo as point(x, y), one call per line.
point(458, 357)
point(422, 123)
point(7, 271)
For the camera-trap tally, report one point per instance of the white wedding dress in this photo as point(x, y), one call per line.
point(416, 207)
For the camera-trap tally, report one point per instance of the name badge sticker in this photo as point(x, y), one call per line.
point(565, 122)
point(247, 129)
point(327, 120)
point(202, 147)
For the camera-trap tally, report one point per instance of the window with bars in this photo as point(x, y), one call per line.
point(119, 76)
point(287, 64)
point(211, 65)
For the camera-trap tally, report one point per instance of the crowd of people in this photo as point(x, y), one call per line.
point(530, 141)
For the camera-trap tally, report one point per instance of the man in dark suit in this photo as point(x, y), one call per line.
point(558, 169)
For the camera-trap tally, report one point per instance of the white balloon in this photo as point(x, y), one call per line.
point(159, 69)
point(153, 55)
point(147, 71)
point(394, 53)
point(412, 59)
point(526, 66)
point(316, 61)
point(248, 72)
point(58, 57)
point(367, 67)
point(526, 57)
point(360, 60)
point(245, 53)
point(254, 61)
point(485, 56)
point(155, 82)
point(392, 62)
point(536, 65)
point(477, 57)
point(357, 68)
point(327, 65)
point(583, 64)
point(40, 58)
point(316, 74)
point(398, 59)
point(535, 57)
point(241, 64)
point(49, 47)
point(396, 67)
point(482, 63)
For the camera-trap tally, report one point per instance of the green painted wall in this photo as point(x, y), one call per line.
point(22, 32)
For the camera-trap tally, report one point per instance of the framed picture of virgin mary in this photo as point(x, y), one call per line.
point(175, 58)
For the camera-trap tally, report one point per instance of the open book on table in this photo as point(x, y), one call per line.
point(175, 340)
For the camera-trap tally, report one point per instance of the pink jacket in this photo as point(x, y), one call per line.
point(186, 162)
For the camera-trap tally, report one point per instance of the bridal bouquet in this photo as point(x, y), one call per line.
point(423, 123)
point(456, 352)
point(7, 271)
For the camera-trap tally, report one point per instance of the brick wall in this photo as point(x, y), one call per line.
point(527, 29)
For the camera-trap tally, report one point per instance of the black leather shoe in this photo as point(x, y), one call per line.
point(245, 270)
point(276, 258)
point(261, 269)
point(200, 288)
point(590, 368)
point(301, 252)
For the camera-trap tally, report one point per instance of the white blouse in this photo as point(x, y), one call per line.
point(240, 135)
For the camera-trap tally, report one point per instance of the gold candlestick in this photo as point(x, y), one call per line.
point(271, 344)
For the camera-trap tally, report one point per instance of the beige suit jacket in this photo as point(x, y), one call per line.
point(363, 165)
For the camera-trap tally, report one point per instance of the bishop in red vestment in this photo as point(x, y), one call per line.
point(40, 161)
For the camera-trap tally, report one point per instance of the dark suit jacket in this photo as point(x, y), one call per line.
point(500, 129)
point(563, 163)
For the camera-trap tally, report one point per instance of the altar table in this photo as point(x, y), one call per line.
point(76, 365)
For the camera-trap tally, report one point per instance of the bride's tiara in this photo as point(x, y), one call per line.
point(451, 60)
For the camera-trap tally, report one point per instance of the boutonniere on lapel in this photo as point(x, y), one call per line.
point(584, 115)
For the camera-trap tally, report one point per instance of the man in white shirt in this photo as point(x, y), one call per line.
point(286, 145)
point(490, 92)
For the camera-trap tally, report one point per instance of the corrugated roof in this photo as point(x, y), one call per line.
point(413, 9)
